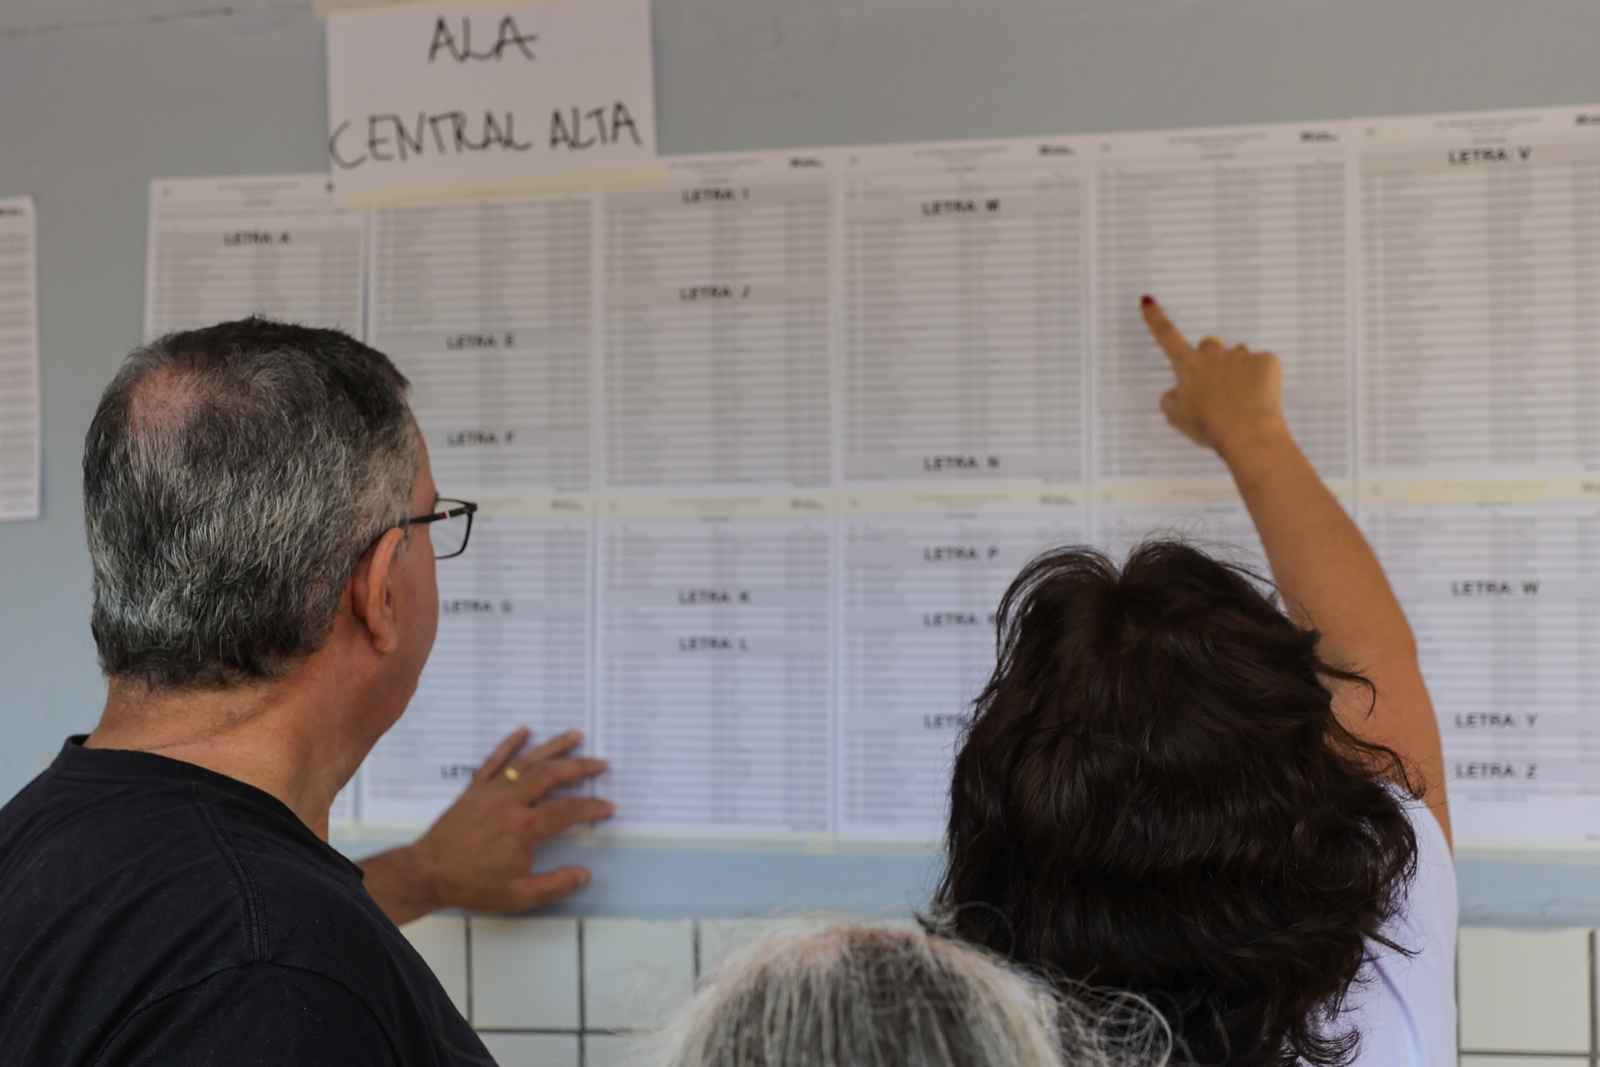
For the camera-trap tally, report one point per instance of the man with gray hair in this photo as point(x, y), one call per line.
point(263, 526)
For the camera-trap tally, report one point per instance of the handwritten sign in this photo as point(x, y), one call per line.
point(461, 97)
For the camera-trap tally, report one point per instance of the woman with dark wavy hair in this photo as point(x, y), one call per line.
point(1173, 787)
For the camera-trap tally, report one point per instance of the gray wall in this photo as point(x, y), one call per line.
point(96, 98)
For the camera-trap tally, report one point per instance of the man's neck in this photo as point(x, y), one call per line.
point(255, 734)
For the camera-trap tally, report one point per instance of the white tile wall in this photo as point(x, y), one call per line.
point(533, 1050)
point(525, 974)
point(605, 1050)
point(441, 941)
point(1524, 990)
point(1526, 996)
point(634, 970)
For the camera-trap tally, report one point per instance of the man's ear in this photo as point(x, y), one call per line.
point(372, 596)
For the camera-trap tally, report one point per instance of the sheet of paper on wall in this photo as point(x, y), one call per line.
point(487, 308)
point(274, 245)
point(1246, 231)
point(20, 429)
point(919, 588)
point(512, 649)
point(1505, 604)
point(462, 100)
point(713, 683)
point(962, 445)
point(1477, 280)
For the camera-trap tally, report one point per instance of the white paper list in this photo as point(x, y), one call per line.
point(20, 428)
point(714, 695)
point(716, 328)
point(1239, 233)
point(917, 644)
point(778, 378)
point(1479, 267)
point(486, 307)
point(1505, 603)
point(275, 245)
point(962, 353)
point(512, 650)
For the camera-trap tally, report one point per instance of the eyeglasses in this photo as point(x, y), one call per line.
point(452, 527)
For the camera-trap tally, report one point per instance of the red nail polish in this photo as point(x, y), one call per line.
point(1146, 301)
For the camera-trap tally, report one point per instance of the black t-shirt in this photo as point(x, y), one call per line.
point(154, 912)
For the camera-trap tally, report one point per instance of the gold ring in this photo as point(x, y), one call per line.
point(511, 773)
point(1211, 339)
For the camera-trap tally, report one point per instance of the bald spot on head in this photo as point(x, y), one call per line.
point(164, 400)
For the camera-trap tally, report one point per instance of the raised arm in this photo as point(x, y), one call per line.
point(1227, 399)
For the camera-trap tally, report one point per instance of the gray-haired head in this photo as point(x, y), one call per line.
point(232, 478)
point(830, 994)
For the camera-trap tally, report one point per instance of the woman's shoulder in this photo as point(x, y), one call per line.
point(1403, 1002)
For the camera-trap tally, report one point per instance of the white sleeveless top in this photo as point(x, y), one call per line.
point(1405, 1006)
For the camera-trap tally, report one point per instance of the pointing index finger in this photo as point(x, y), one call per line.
point(1178, 350)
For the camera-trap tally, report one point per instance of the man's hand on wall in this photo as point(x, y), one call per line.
point(478, 855)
